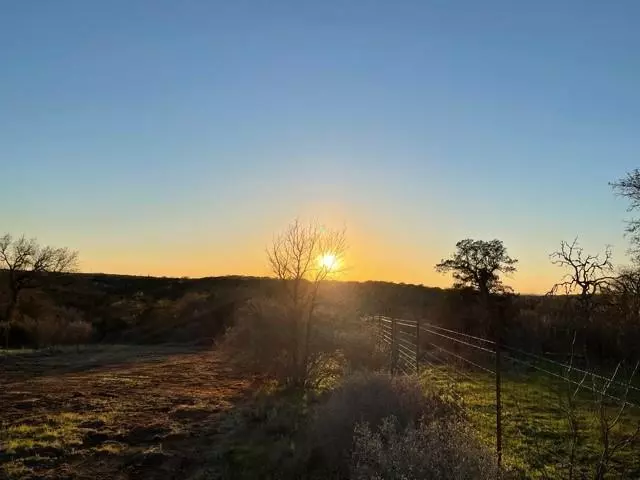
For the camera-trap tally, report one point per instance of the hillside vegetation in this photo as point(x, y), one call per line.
point(103, 308)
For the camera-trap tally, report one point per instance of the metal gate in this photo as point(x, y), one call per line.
point(402, 339)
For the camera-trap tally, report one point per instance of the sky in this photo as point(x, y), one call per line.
point(159, 137)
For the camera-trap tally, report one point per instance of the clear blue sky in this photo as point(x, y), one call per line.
point(175, 137)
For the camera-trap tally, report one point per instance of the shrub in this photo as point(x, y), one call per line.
point(356, 341)
point(369, 399)
point(437, 449)
point(78, 332)
point(265, 338)
point(57, 326)
point(261, 340)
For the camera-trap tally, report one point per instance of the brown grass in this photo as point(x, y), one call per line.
point(115, 412)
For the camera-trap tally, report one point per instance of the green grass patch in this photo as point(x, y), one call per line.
point(537, 438)
point(52, 437)
point(55, 431)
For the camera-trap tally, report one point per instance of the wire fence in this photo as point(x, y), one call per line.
point(545, 418)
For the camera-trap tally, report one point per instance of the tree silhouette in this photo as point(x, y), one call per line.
point(478, 264)
point(24, 260)
point(629, 188)
point(298, 257)
point(587, 274)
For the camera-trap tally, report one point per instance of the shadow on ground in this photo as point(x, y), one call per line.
point(29, 364)
point(130, 412)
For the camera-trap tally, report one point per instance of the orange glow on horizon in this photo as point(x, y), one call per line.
point(369, 256)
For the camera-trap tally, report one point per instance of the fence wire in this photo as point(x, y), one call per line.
point(558, 420)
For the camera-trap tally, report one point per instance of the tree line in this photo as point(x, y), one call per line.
point(602, 300)
point(594, 291)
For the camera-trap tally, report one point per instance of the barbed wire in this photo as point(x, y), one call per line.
point(457, 340)
point(491, 342)
point(431, 329)
point(562, 365)
point(570, 367)
point(458, 371)
point(460, 357)
point(403, 343)
point(454, 367)
point(568, 380)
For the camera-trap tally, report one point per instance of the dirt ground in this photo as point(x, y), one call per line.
point(117, 412)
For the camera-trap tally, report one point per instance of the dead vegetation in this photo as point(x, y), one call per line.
point(116, 412)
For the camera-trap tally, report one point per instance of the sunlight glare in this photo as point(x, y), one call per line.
point(328, 261)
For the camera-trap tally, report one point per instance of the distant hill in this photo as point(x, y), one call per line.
point(145, 309)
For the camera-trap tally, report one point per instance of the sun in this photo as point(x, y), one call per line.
point(328, 261)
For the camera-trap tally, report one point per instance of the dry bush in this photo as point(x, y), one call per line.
point(433, 449)
point(263, 340)
point(47, 330)
point(195, 316)
point(369, 398)
point(356, 342)
point(78, 332)
point(260, 340)
point(57, 326)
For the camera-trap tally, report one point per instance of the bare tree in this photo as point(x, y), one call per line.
point(478, 264)
point(23, 261)
point(629, 188)
point(587, 276)
point(302, 257)
point(624, 294)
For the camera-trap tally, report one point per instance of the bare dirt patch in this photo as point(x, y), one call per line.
point(120, 412)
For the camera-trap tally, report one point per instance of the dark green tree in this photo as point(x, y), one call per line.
point(478, 264)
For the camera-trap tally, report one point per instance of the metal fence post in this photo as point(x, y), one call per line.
point(499, 390)
point(418, 345)
point(394, 346)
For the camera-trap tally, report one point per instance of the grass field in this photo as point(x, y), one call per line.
point(179, 412)
point(117, 412)
point(536, 438)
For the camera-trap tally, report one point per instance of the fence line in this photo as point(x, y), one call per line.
point(412, 343)
point(569, 367)
point(430, 325)
point(460, 357)
point(403, 347)
point(516, 360)
point(573, 382)
point(458, 340)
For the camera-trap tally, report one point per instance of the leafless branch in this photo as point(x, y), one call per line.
point(25, 260)
point(302, 257)
point(588, 274)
